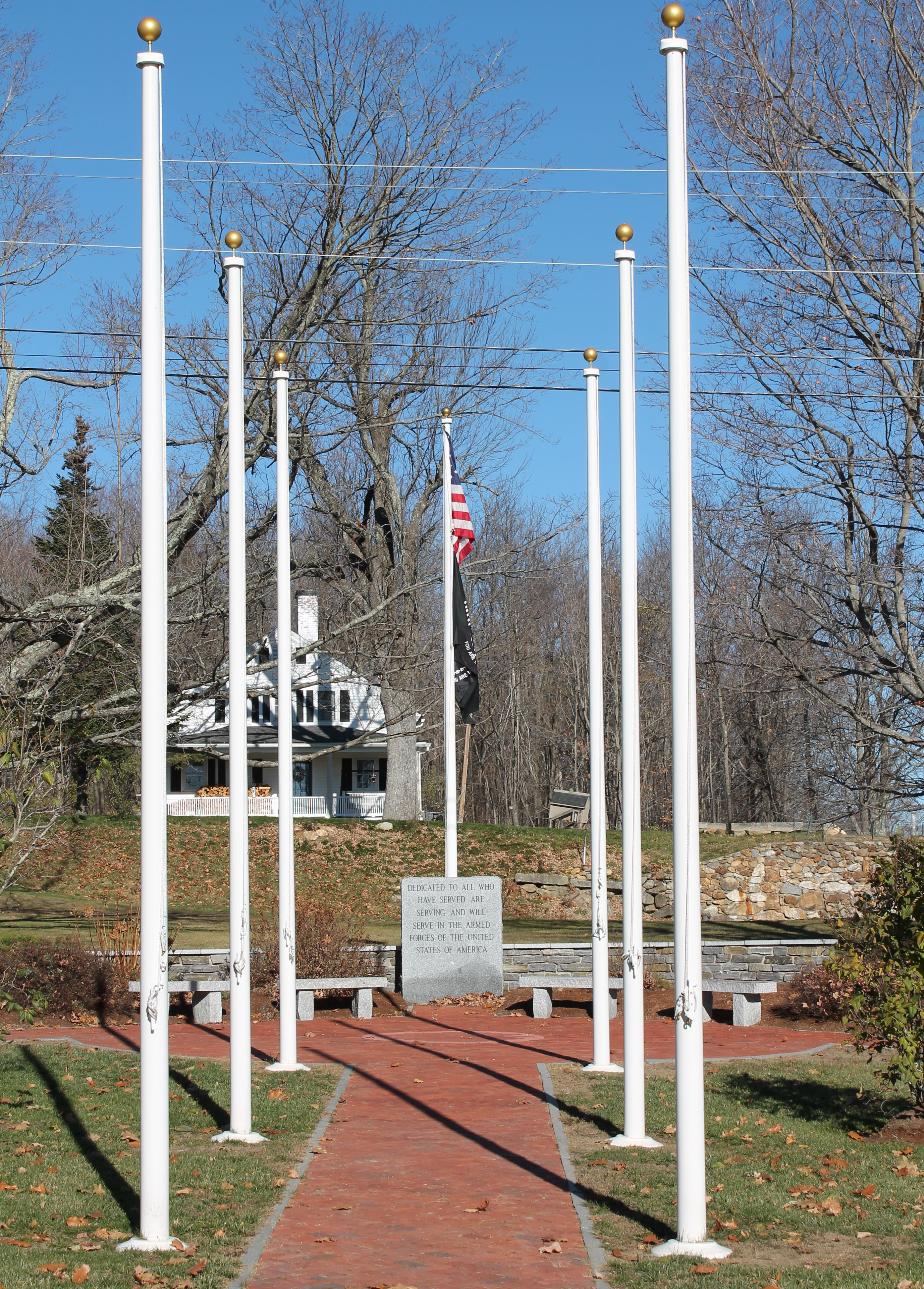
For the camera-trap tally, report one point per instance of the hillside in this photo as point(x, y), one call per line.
point(91, 869)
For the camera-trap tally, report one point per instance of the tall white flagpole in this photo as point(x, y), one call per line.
point(688, 1013)
point(451, 866)
point(633, 989)
point(288, 1059)
point(600, 940)
point(240, 1128)
point(154, 1223)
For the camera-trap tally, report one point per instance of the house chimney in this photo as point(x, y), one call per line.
point(307, 617)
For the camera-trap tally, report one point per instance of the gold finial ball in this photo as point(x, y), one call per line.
point(624, 233)
point(233, 239)
point(280, 356)
point(149, 29)
point(672, 15)
point(590, 355)
point(446, 412)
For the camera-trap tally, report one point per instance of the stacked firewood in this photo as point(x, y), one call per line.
point(212, 792)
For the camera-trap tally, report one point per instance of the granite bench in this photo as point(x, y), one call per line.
point(360, 986)
point(206, 994)
point(746, 998)
point(543, 985)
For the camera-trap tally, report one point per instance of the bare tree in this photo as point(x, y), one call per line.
point(806, 122)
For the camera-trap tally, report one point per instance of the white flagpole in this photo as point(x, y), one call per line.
point(688, 1023)
point(239, 902)
point(288, 1059)
point(154, 1217)
point(600, 940)
point(451, 867)
point(633, 990)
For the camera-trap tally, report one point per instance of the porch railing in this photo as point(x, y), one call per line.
point(360, 805)
point(349, 805)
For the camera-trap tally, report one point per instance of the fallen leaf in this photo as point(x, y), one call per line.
point(80, 1274)
point(551, 1246)
point(831, 1205)
point(855, 1136)
point(277, 1094)
point(76, 1221)
point(704, 1269)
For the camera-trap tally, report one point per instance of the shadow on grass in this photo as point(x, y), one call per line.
point(813, 1100)
point(118, 1186)
point(203, 1099)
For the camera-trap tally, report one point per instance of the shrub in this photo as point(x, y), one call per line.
point(817, 993)
point(61, 977)
point(326, 936)
point(880, 962)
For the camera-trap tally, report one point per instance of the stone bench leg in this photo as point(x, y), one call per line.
point(745, 1009)
point(304, 1004)
point(614, 1005)
point(542, 1003)
point(206, 1008)
point(707, 1004)
point(361, 1005)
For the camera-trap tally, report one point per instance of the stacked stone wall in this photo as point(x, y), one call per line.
point(779, 881)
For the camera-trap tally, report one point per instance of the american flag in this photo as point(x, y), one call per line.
point(463, 534)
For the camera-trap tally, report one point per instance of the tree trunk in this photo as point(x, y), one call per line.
point(401, 785)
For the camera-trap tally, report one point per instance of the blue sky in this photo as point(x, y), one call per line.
point(581, 67)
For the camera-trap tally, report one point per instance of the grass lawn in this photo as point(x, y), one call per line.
point(799, 1184)
point(91, 870)
point(69, 1176)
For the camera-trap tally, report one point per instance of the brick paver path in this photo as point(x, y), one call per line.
point(444, 1111)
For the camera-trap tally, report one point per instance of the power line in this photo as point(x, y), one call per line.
point(400, 258)
point(492, 388)
point(471, 168)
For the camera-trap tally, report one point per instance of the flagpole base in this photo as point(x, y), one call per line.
point(691, 1249)
point(245, 1138)
point(598, 1068)
point(622, 1142)
point(138, 1244)
point(285, 1067)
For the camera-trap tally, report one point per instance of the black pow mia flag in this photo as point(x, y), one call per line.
point(468, 693)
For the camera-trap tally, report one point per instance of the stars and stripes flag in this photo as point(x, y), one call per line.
point(465, 661)
point(463, 534)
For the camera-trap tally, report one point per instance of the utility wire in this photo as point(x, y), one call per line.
point(493, 388)
point(484, 168)
point(401, 258)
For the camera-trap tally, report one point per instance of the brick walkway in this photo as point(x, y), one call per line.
point(444, 1110)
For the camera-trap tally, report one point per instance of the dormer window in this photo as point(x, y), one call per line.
point(255, 709)
point(325, 707)
point(344, 707)
point(304, 707)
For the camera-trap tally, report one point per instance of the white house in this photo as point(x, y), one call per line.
point(339, 738)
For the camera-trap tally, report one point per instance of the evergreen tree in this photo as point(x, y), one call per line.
point(77, 545)
point(75, 550)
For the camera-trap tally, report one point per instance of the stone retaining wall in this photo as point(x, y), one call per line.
point(781, 881)
point(778, 960)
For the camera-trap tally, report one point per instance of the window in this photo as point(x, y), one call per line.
point(216, 772)
point(304, 707)
point(367, 776)
point(344, 707)
point(221, 711)
point(176, 778)
point(256, 775)
point(255, 709)
point(325, 707)
point(266, 709)
point(301, 778)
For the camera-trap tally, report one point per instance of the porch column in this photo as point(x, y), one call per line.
point(329, 766)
